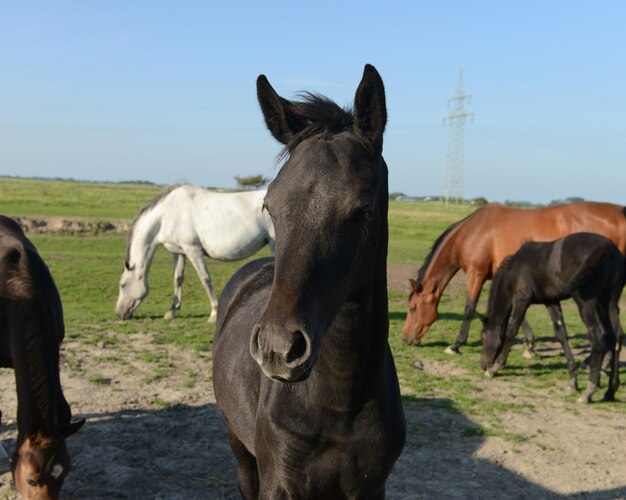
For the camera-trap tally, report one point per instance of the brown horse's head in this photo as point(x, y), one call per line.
point(421, 314)
point(41, 462)
point(329, 208)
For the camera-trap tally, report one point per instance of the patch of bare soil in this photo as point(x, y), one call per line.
point(398, 276)
point(153, 431)
point(70, 225)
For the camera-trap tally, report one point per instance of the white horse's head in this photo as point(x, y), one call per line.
point(133, 289)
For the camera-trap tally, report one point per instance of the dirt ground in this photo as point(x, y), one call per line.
point(161, 437)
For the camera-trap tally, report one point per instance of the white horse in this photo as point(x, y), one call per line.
point(192, 222)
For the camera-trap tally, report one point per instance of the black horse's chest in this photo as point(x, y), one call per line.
point(309, 455)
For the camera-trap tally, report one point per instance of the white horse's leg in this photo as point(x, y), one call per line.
point(179, 274)
point(196, 257)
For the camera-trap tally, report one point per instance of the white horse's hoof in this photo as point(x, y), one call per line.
point(212, 319)
point(451, 350)
point(169, 315)
point(528, 354)
point(488, 374)
point(583, 399)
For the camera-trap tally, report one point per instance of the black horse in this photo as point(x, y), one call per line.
point(31, 330)
point(302, 369)
point(584, 266)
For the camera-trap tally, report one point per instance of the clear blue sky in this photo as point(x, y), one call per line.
point(164, 91)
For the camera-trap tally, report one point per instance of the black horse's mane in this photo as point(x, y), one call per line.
point(322, 115)
point(146, 208)
point(431, 253)
point(37, 308)
point(496, 282)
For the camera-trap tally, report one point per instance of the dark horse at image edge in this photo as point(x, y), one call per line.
point(31, 330)
point(302, 369)
point(584, 266)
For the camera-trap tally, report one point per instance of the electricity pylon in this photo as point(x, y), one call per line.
point(453, 187)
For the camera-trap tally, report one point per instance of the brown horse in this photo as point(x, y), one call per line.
point(31, 330)
point(479, 243)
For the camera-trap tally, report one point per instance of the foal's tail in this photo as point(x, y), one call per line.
point(590, 265)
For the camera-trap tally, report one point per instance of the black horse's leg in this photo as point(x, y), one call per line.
point(517, 316)
point(591, 314)
point(529, 339)
point(248, 474)
point(560, 332)
point(614, 383)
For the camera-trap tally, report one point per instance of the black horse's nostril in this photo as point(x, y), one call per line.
point(254, 342)
point(298, 348)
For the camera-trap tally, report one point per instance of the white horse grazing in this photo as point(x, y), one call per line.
point(192, 222)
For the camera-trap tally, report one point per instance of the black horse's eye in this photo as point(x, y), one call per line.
point(266, 209)
point(31, 482)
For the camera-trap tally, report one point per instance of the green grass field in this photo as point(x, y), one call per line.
point(87, 269)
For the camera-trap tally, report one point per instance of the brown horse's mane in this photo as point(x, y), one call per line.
point(431, 253)
point(153, 202)
point(322, 115)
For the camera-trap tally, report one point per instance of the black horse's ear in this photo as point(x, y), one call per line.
point(415, 286)
point(72, 428)
point(483, 319)
point(370, 108)
point(279, 116)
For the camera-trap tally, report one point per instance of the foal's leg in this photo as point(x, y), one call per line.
point(560, 332)
point(517, 316)
point(614, 383)
point(600, 334)
point(248, 473)
point(179, 274)
point(474, 286)
point(529, 339)
point(196, 257)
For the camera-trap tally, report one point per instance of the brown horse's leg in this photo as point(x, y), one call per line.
point(561, 335)
point(529, 339)
point(247, 474)
point(474, 286)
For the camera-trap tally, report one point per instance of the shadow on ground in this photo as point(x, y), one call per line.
point(181, 452)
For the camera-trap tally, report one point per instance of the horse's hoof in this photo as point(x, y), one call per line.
point(584, 399)
point(608, 397)
point(168, 315)
point(452, 350)
point(212, 319)
point(573, 386)
point(488, 374)
point(528, 354)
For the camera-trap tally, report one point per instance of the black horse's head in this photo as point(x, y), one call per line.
point(329, 208)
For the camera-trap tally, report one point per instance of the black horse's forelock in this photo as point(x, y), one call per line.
point(146, 208)
point(323, 116)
